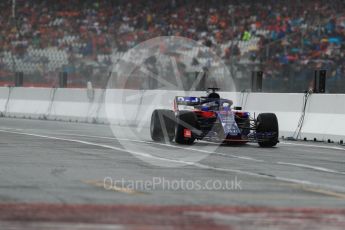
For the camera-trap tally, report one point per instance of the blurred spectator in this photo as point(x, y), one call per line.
point(294, 33)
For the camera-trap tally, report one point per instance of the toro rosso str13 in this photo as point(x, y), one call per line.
point(212, 118)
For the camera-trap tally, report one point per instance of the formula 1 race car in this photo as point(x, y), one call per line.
point(212, 118)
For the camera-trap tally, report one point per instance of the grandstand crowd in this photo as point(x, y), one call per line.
point(281, 36)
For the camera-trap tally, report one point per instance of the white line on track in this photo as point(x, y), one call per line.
point(296, 181)
point(317, 168)
point(150, 142)
point(313, 146)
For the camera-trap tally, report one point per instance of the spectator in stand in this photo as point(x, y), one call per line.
point(291, 32)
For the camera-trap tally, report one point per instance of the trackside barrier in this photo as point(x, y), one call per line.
point(4, 93)
point(324, 114)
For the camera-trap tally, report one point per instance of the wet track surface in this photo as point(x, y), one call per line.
point(57, 163)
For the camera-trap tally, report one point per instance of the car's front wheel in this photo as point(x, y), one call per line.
point(267, 129)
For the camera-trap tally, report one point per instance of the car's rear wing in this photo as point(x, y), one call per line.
point(183, 100)
point(186, 100)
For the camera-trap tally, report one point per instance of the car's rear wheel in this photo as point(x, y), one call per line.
point(186, 126)
point(267, 129)
point(162, 126)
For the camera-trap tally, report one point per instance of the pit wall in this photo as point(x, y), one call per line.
point(323, 120)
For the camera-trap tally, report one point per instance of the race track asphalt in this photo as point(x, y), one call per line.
point(66, 163)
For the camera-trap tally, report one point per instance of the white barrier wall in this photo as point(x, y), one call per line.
point(4, 92)
point(324, 116)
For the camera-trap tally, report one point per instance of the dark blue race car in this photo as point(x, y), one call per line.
point(212, 118)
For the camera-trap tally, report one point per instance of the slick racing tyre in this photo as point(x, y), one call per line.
point(186, 123)
point(162, 126)
point(267, 129)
